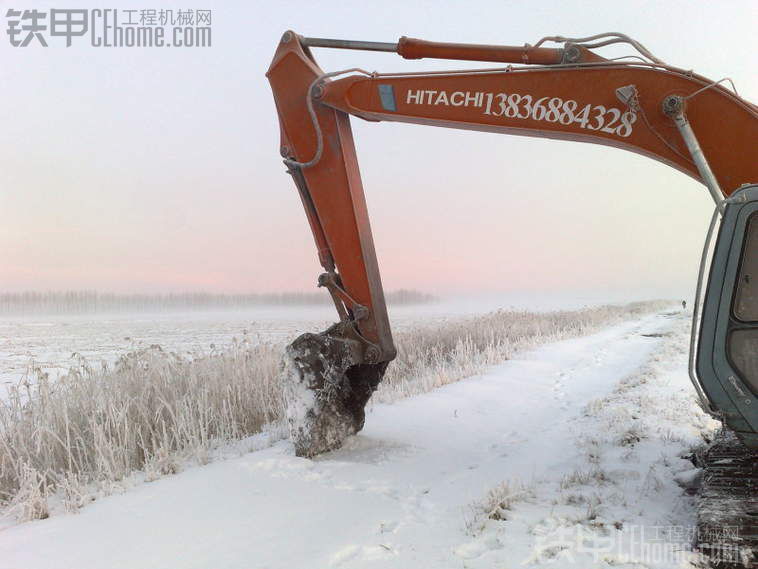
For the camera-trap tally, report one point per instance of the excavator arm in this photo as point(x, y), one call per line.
point(672, 115)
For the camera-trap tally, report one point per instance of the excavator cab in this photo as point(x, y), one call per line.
point(724, 365)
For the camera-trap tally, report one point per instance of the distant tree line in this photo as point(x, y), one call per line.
point(74, 302)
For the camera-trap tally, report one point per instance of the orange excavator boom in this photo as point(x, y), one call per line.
point(674, 116)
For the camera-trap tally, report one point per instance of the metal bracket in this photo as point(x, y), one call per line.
point(341, 298)
point(572, 53)
point(362, 351)
point(346, 328)
point(629, 96)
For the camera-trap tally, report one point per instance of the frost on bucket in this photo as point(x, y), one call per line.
point(325, 391)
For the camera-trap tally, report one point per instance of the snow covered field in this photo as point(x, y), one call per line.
point(565, 456)
point(48, 342)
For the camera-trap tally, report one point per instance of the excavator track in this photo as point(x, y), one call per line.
point(728, 504)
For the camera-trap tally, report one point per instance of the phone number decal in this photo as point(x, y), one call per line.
point(549, 109)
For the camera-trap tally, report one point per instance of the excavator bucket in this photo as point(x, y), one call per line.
point(326, 388)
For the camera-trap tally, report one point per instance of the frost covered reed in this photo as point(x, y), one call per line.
point(80, 435)
point(433, 356)
point(150, 411)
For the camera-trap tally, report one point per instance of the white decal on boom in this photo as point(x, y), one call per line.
point(515, 106)
point(455, 99)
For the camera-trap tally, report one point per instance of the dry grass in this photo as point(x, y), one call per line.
point(433, 356)
point(155, 409)
point(577, 478)
point(497, 504)
point(149, 412)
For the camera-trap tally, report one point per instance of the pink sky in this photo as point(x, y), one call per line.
point(144, 170)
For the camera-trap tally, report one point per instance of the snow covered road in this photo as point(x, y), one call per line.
point(403, 492)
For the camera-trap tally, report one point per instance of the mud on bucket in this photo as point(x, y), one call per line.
point(325, 389)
